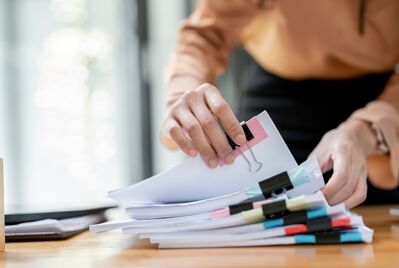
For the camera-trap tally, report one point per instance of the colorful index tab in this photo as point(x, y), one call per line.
point(318, 225)
point(333, 237)
point(296, 218)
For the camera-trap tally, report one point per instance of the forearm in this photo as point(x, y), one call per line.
point(178, 85)
point(391, 92)
point(204, 43)
point(197, 115)
point(383, 115)
point(350, 151)
point(361, 133)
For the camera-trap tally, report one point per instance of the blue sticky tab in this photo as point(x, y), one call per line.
point(254, 191)
point(351, 237)
point(296, 172)
point(305, 239)
point(300, 180)
point(316, 213)
point(298, 176)
point(273, 223)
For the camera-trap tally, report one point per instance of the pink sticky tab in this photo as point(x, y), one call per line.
point(225, 212)
point(261, 203)
point(257, 131)
point(220, 213)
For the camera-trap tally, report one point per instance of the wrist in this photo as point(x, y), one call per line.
point(362, 134)
point(178, 85)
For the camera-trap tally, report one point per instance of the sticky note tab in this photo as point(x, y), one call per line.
point(297, 203)
point(305, 239)
point(273, 223)
point(351, 237)
point(317, 213)
point(258, 132)
point(253, 215)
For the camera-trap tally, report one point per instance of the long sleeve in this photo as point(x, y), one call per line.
point(204, 44)
point(384, 113)
point(207, 37)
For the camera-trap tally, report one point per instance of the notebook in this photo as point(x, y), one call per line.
point(49, 229)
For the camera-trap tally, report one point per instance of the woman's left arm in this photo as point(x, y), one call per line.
point(362, 137)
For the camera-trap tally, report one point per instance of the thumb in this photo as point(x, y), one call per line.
point(323, 156)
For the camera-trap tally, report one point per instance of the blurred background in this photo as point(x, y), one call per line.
point(81, 95)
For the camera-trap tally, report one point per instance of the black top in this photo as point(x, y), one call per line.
point(304, 110)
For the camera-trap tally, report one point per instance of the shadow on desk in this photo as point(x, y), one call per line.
point(279, 256)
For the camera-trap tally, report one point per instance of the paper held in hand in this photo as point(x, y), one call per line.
point(263, 198)
point(192, 180)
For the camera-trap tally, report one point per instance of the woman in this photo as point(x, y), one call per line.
point(325, 73)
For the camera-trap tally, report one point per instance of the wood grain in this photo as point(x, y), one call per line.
point(116, 250)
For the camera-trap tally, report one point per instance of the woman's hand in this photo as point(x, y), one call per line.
point(345, 150)
point(193, 121)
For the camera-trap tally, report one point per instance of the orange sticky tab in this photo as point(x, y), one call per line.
point(302, 228)
point(340, 222)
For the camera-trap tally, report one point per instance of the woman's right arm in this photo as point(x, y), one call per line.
point(197, 115)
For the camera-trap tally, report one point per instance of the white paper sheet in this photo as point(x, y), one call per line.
point(203, 237)
point(310, 201)
point(126, 223)
point(192, 180)
point(152, 211)
point(366, 236)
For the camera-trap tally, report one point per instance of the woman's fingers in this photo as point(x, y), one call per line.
point(323, 154)
point(353, 191)
point(174, 131)
point(343, 150)
point(338, 179)
point(197, 135)
point(193, 124)
point(349, 168)
point(346, 172)
point(358, 196)
point(213, 131)
point(357, 173)
point(323, 158)
point(223, 112)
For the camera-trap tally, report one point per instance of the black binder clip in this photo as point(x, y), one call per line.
point(276, 185)
point(254, 164)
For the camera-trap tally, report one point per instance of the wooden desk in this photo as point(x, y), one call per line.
point(116, 250)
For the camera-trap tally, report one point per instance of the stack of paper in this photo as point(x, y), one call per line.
point(264, 198)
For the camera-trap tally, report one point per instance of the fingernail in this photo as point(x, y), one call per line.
point(192, 152)
point(240, 139)
point(213, 163)
point(229, 159)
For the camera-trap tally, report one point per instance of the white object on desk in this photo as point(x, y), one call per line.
point(394, 212)
point(54, 226)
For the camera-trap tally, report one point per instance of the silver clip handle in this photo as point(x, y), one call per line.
point(254, 164)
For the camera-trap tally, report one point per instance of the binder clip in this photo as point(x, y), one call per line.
point(277, 185)
point(253, 163)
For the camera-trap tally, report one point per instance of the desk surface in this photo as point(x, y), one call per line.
point(116, 250)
